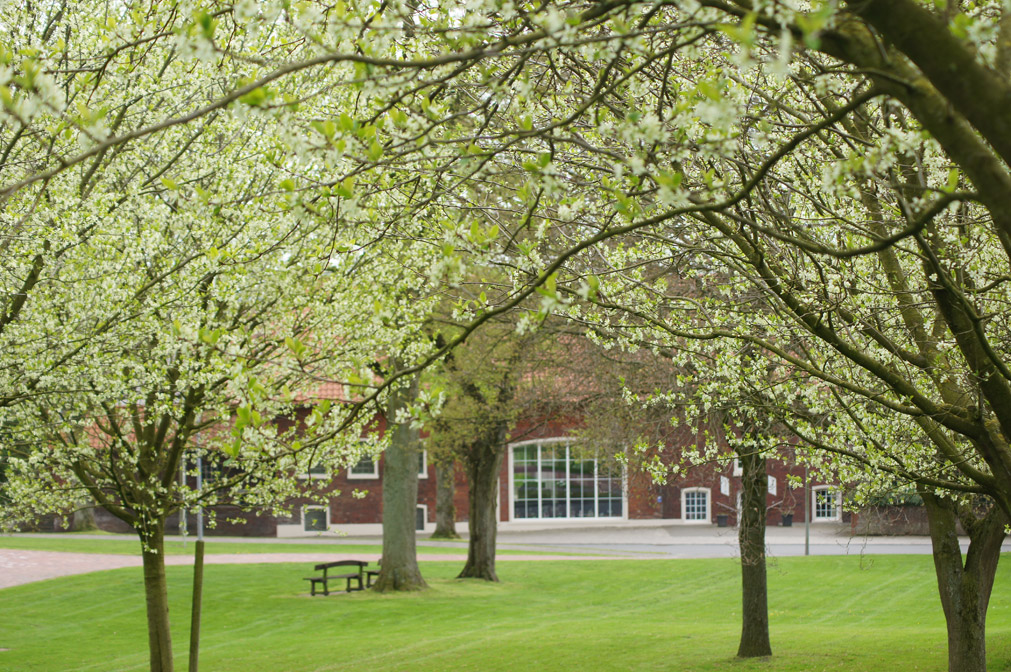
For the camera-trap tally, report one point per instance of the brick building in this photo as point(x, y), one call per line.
point(547, 479)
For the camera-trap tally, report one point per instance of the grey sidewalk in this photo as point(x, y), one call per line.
point(659, 538)
point(677, 540)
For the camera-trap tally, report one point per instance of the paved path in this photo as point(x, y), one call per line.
point(18, 567)
point(633, 539)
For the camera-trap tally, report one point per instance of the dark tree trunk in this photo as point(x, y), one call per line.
point(445, 507)
point(156, 592)
point(482, 462)
point(751, 535)
point(964, 586)
point(399, 569)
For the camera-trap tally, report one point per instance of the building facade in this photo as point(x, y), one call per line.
point(551, 480)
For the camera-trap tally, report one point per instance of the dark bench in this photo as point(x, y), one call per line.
point(356, 575)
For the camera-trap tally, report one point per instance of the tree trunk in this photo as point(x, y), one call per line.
point(156, 592)
point(751, 535)
point(964, 586)
point(445, 507)
point(83, 519)
point(197, 605)
point(483, 462)
point(399, 569)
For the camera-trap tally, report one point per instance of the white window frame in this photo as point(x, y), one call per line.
point(815, 518)
point(374, 475)
point(324, 508)
point(423, 473)
point(709, 507)
point(738, 467)
point(424, 507)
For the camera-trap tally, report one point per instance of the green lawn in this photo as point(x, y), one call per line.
point(827, 613)
point(129, 545)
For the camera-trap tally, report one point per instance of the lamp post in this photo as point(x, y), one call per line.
point(807, 514)
point(198, 574)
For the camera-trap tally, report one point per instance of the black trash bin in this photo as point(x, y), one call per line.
point(787, 520)
point(721, 520)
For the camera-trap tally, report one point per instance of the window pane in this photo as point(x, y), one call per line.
point(554, 481)
point(364, 467)
point(315, 520)
point(825, 504)
point(696, 505)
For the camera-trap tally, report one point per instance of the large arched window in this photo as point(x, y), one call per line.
point(553, 480)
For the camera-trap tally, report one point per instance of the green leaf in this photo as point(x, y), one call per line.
point(960, 26)
point(258, 97)
point(670, 180)
point(953, 175)
point(375, 151)
point(742, 33)
point(813, 23)
point(398, 117)
point(296, 346)
point(709, 90)
point(169, 184)
point(207, 24)
point(328, 129)
point(346, 188)
point(7, 98)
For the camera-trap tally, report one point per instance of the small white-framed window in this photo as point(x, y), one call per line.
point(695, 505)
point(422, 464)
point(738, 467)
point(315, 518)
point(367, 467)
point(826, 503)
point(420, 517)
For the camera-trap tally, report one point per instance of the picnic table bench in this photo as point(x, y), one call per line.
point(323, 580)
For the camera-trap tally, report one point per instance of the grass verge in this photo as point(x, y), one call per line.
point(826, 613)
